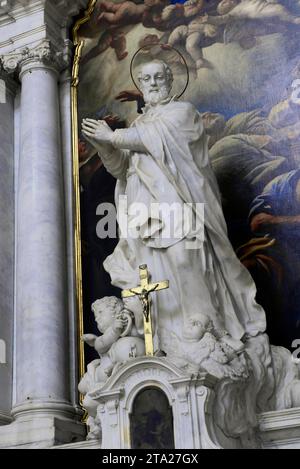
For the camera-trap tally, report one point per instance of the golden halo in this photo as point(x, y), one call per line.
point(163, 47)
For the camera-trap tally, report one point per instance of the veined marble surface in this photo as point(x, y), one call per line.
point(6, 247)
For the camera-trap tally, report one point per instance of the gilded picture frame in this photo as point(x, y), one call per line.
point(245, 81)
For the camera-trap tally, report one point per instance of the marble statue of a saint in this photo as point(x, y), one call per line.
point(163, 158)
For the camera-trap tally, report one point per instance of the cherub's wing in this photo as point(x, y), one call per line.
point(200, 351)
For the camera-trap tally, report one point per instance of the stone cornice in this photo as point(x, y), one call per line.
point(29, 21)
point(40, 41)
point(11, 10)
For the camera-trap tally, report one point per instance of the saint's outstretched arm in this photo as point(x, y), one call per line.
point(127, 139)
point(100, 135)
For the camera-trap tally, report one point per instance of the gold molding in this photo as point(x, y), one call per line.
point(79, 44)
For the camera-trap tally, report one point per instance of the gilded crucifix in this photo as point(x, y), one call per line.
point(143, 291)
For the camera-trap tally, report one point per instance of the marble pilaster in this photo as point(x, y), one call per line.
point(34, 48)
point(7, 90)
point(43, 396)
point(66, 139)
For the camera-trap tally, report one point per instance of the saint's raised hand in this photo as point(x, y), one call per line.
point(96, 131)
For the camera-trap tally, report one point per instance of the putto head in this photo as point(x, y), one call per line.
point(105, 310)
point(196, 327)
point(155, 80)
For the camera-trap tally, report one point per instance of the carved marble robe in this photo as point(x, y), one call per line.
point(166, 160)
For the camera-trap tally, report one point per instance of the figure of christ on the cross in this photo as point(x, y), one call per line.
point(143, 291)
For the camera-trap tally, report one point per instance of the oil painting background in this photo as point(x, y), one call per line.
point(244, 66)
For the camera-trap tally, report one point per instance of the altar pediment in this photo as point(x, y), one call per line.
point(190, 398)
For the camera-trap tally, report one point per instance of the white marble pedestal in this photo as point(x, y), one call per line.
point(42, 428)
point(280, 429)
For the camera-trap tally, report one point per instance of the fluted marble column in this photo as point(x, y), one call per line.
point(42, 375)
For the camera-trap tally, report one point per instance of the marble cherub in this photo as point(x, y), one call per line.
point(203, 348)
point(117, 344)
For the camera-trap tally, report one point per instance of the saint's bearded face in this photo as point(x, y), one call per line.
point(155, 83)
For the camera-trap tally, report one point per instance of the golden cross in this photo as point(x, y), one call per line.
point(143, 291)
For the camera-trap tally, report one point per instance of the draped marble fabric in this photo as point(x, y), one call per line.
point(172, 165)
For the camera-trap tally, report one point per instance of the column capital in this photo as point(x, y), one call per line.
point(42, 55)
